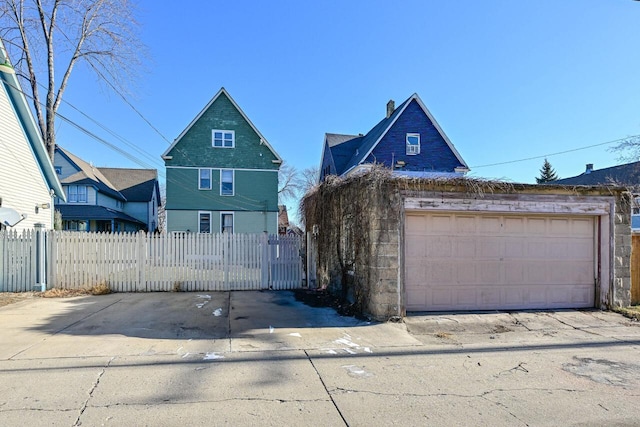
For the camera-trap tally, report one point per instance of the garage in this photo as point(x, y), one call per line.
point(496, 261)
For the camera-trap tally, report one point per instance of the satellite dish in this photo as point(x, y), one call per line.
point(10, 217)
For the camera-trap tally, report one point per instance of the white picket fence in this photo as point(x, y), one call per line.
point(17, 261)
point(140, 262)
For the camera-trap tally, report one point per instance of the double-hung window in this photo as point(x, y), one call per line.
point(223, 138)
point(204, 179)
point(226, 182)
point(413, 144)
point(77, 194)
point(226, 222)
point(204, 222)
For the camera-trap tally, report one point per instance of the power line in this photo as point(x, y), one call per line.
point(557, 153)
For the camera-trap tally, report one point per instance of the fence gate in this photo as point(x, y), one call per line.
point(285, 262)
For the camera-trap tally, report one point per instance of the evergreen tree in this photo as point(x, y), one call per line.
point(547, 173)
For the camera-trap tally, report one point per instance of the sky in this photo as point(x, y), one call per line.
point(506, 80)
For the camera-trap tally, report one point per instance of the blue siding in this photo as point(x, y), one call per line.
point(327, 160)
point(435, 154)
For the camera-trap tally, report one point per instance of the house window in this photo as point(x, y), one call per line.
point(77, 194)
point(204, 179)
point(226, 182)
point(226, 222)
point(75, 225)
point(224, 138)
point(413, 144)
point(204, 222)
point(59, 170)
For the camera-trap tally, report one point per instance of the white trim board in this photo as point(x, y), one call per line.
point(508, 206)
point(209, 167)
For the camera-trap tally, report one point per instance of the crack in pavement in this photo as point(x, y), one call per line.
point(2, 411)
point(464, 396)
point(518, 322)
point(93, 388)
point(191, 402)
point(326, 389)
point(504, 408)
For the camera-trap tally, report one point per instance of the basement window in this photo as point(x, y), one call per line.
point(413, 144)
point(204, 222)
point(226, 222)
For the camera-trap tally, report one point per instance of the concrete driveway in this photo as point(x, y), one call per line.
point(262, 358)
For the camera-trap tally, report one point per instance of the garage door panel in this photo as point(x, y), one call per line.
point(514, 249)
point(487, 262)
point(515, 225)
point(465, 248)
point(515, 272)
point(582, 227)
point(466, 274)
point(438, 247)
point(536, 226)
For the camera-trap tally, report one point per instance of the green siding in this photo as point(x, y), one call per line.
point(254, 191)
point(244, 222)
point(195, 147)
point(255, 196)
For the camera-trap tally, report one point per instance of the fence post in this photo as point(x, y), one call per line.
point(142, 261)
point(265, 260)
point(311, 261)
point(41, 261)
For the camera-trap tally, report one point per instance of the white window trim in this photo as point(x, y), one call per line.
point(233, 221)
point(233, 182)
point(77, 194)
point(412, 145)
point(210, 221)
point(210, 179)
point(233, 138)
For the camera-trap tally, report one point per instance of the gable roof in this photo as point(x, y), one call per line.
point(360, 147)
point(136, 185)
point(17, 98)
point(222, 90)
point(89, 174)
point(626, 175)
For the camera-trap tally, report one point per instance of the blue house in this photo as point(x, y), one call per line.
point(408, 141)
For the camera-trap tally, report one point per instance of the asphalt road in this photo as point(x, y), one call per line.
point(262, 358)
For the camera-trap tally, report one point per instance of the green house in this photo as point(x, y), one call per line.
point(222, 174)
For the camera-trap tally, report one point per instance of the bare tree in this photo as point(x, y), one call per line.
point(628, 149)
point(50, 37)
point(288, 182)
point(309, 179)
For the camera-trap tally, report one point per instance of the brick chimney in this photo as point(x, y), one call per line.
point(589, 168)
point(391, 107)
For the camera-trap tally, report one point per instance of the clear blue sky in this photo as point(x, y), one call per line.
point(505, 79)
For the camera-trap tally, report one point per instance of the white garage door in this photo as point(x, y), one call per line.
point(461, 261)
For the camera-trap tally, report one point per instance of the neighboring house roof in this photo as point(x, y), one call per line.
point(89, 175)
point(137, 185)
point(93, 212)
point(11, 84)
point(349, 151)
point(621, 175)
point(283, 216)
point(222, 90)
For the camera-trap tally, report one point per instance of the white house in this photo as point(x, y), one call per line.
point(28, 181)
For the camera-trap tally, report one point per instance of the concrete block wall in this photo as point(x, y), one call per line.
point(376, 279)
point(621, 295)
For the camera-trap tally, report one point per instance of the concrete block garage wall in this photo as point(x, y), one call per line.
point(360, 223)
